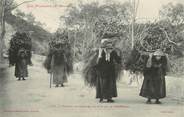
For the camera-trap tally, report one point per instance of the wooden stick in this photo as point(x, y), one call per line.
point(50, 80)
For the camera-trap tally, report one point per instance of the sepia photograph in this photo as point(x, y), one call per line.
point(91, 58)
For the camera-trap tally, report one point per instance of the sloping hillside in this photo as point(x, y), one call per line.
point(39, 36)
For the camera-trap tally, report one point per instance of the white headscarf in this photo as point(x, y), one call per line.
point(107, 53)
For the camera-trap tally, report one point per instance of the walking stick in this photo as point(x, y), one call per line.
point(50, 80)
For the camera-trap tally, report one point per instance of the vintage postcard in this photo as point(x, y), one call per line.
point(91, 58)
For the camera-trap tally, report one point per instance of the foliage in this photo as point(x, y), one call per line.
point(166, 34)
point(172, 17)
point(19, 41)
point(59, 40)
point(7, 6)
point(30, 18)
point(89, 22)
point(156, 36)
point(109, 26)
point(173, 13)
point(39, 36)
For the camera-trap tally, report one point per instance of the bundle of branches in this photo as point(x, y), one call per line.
point(17, 42)
point(58, 40)
point(136, 61)
point(60, 44)
point(155, 37)
point(108, 26)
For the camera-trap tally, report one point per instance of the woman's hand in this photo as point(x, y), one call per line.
point(149, 62)
point(150, 55)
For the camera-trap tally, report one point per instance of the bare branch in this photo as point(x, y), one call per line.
point(169, 38)
point(20, 5)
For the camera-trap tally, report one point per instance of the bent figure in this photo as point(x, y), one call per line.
point(154, 77)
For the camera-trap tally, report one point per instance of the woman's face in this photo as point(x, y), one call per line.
point(158, 57)
point(109, 50)
point(103, 45)
point(22, 54)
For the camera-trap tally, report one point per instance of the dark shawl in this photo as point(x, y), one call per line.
point(62, 56)
point(154, 79)
point(90, 70)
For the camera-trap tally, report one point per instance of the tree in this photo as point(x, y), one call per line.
point(30, 18)
point(134, 7)
point(6, 7)
point(19, 13)
point(172, 17)
point(90, 18)
point(2, 27)
point(173, 13)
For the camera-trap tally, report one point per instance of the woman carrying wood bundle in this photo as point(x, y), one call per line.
point(154, 77)
point(103, 69)
point(59, 62)
point(21, 70)
point(20, 54)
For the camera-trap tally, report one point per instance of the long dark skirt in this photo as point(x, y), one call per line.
point(106, 88)
point(106, 76)
point(21, 68)
point(153, 85)
point(59, 74)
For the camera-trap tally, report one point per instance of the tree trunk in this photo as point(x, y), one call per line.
point(3, 31)
point(74, 44)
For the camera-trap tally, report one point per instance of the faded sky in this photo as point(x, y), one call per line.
point(50, 15)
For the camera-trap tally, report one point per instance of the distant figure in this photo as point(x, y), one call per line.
point(21, 70)
point(154, 86)
point(20, 54)
point(58, 68)
point(59, 61)
point(103, 71)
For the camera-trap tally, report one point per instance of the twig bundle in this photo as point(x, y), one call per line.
point(60, 45)
point(19, 41)
point(155, 37)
